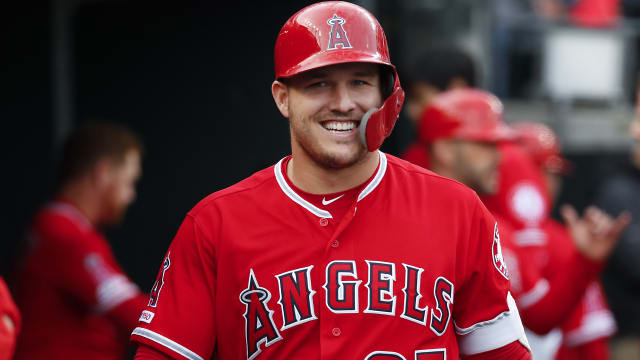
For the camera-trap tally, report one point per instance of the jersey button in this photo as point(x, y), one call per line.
point(335, 243)
point(336, 331)
point(324, 222)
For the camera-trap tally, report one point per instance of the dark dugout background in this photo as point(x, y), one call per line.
point(193, 79)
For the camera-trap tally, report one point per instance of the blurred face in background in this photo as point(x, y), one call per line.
point(119, 189)
point(634, 131)
point(476, 165)
point(422, 93)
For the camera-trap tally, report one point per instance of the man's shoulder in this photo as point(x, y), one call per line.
point(255, 186)
point(61, 222)
point(413, 177)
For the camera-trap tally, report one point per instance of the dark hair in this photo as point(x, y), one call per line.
point(94, 141)
point(438, 66)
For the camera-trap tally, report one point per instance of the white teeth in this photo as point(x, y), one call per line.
point(339, 125)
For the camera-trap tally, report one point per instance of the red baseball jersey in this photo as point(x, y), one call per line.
point(522, 198)
point(592, 319)
point(417, 154)
point(412, 270)
point(69, 287)
point(8, 308)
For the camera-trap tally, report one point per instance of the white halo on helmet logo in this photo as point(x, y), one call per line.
point(337, 34)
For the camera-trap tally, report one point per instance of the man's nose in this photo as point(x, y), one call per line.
point(342, 99)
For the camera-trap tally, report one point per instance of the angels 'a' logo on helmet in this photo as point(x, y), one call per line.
point(338, 35)
point(496, 254)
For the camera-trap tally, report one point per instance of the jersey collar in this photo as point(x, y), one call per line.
point(374, 182)
point(69, 211)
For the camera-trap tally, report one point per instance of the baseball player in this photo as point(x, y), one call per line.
point(76, 301)
point(464, 128)
point(436, 70)
point(338, 251)
point(588, 329)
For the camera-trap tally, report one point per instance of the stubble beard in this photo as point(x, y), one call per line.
point(314, 150)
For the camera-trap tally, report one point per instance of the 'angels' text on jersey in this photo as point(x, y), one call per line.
point(341, 295)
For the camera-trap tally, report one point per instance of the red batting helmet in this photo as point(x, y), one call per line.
point(539, 141)
point(468, 114)
point(336, 32)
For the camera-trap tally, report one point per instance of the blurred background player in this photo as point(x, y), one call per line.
point(621, 278)
point(438, 69)
point(463, 129)
point(76, 301)
point(9, 322)
point(586, 333)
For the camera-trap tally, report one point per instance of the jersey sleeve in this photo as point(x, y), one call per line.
point(86, 269)
point(513, 351)
point(148, 353)
point(179, 319)
point(485, 314)
point(7, 335)
point(547, 303)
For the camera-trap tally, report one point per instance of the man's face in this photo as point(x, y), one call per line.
point(476, 164)
point(120, 192)
point(325, 106)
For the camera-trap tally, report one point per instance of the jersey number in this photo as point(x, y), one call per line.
point(431, 354)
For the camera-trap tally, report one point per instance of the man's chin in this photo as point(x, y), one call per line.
point(339, 159)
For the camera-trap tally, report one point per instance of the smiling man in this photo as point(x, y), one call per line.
point(338, 251)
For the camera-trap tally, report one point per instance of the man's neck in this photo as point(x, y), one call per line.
point(442, 170)
point(313, 178)
point(83, 198)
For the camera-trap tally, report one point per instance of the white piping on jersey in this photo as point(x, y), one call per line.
point(166, 342)
point(382, 169)
point(534, 295)
point(295, 197)
point(314, 209)
point(492, 334)
point(70, 212)
point(529, 237)
point(114, 291)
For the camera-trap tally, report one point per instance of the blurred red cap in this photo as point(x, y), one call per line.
point(468, 114)
point(542, 144)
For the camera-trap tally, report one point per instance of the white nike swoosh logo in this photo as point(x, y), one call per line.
point(327, 202)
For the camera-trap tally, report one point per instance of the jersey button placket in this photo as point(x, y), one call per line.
point(336, 331)
point(323, 222)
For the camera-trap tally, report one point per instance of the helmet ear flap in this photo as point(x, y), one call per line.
point(387, 80)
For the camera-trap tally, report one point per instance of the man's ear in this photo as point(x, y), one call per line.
point(102, 172)
point(281, 97)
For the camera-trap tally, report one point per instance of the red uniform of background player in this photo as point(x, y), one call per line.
point(586, 332)
point(338, 251)
point(523, 200)
point(462, 129)
point(9, 322)
point(76, 301)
